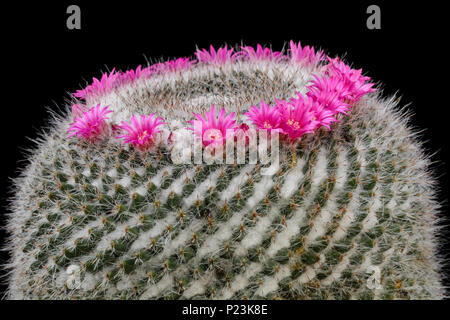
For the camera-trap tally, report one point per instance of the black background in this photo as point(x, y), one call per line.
point(43, 60)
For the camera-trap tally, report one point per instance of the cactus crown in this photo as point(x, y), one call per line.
point(350, 213)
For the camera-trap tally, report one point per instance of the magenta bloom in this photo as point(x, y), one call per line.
point(354, 81)
point(259, 54)
point(78, 110)
point(99, 87)
point(213, 130)
point(306, 55)
point(130, 76)
point(141, 130)
point(221, 56)
point(330, 93)
point(320, 114)
point(173, 65)
point(91, 124)
point(297, 117)
point(265, 117)
point(243, 133)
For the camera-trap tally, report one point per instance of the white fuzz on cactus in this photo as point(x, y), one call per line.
point(350, 214)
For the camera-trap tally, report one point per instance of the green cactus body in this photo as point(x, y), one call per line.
point(345, 206)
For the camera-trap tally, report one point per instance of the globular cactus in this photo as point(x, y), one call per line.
point(349, 214)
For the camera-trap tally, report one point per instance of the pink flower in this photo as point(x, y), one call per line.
point(211, 129)
point(78, 110)
point(243, 133)
point(99, 87)
point(91, 124)
point(354, 81)
point(302, 115)
point(259, 54)
point(173, 65)
point(320, 114)
point(130, 76)
point(265, 117)
point(221, 56)
point(305, 55)
point(141, 130)
point(330, 93)
point(296, 120)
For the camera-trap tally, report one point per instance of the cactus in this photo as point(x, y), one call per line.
point(350, 214)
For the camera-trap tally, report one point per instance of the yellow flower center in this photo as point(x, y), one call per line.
point(143, 135)
point(213, 134)
point(294, 124)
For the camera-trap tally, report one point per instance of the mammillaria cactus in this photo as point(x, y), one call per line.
point(109, 208)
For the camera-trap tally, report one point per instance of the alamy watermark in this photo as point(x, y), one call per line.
point(374, 20)
point(74, 277)
point(374, 280)
point(237, 147)
point(74, 19)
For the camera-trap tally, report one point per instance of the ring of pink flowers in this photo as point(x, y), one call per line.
point(223, 55)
